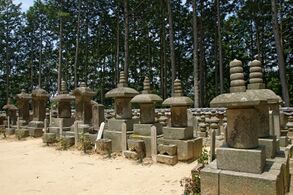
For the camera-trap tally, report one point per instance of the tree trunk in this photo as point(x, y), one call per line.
point(126, 28)
point(195, 57)
point(220, 47)
point(77, 45)
point(171, 39)
point(41, 55)
point(280, 54)
point(60, 54)
point(117, 46)
point(202, 59)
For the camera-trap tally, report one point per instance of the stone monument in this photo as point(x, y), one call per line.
point(240, 165)
point(123, 113)
point(142, 130)
point(39, 102)
point(23, 100)
point(179, 134)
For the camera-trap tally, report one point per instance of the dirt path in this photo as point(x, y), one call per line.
point(28, 167)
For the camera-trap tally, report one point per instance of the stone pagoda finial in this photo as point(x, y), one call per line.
point(237, 83)
point(122, 80)
point(22, 91)
point(255, 75)
point(63, 87)
point(177, 88)
point(146, 86)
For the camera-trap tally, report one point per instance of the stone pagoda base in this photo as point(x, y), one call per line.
point(147, 142)
point(274, 180)
point(189, 149)
point(115, 124)
point(116, 137)
point(35, 128)
point(271, 144)
point(145, 129)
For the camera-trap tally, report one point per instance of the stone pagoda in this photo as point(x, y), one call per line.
point(11, 111)
point(179, 134)
point(123, 113)
point(23, 100)
point(240, 165)
point(83, 97)
point(64, 101)
point(267, 136)
point(146, 101)
point(39, 102)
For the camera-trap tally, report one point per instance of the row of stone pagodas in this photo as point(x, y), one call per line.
point(138, 130)
point(249, 155)
point(88, 115)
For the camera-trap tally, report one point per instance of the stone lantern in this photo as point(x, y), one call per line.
point(83, 96)
point(179, 133)
point(39, 102)
point(123, 113)
point(23, 100)
point(146, 101)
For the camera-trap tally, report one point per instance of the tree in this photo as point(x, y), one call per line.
point(171, 41)
point(280, 53)
point(195, 57)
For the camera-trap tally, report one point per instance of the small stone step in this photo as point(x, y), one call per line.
point(166, 159)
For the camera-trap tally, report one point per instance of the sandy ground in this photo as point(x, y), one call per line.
point(29, 167)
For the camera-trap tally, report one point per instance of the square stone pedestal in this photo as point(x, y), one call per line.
point(284, 141)
point(9, 131)
point(115, 136)
point(215, 181)
point(145, 129)
point(177, 132)
point(35, 128)
point(241, 160)
point(189, 149)
point(115, 124)
point(271, 146)
point(147, 142)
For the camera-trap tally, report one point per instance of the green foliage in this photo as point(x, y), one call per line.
point(204, 157)
point(84, 143)
point(63, 144)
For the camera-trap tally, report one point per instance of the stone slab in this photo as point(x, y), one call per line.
point(49, 138)
point(202, 134)
point(9, 131)
point(215, 181)
point(115, 136)
point(166, 159)
point(284, 141)
point(186, 149)
point(183, 133)
point(130, 155)
point(170, 150)
point(21, 133)
point(115, 124)
point(209, 179)
point(145, 129)
point(147, 142)
point(270, 145)
point(242, 160)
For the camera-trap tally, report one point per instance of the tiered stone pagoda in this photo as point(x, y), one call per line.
point(123, 113)
point(272, 102)
point(64, 101)
point(11, 111)
point(146, 101)
point(241, 164)
point(83, 96)
point(179, 133)
point(39, 102)
point(23, 100)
